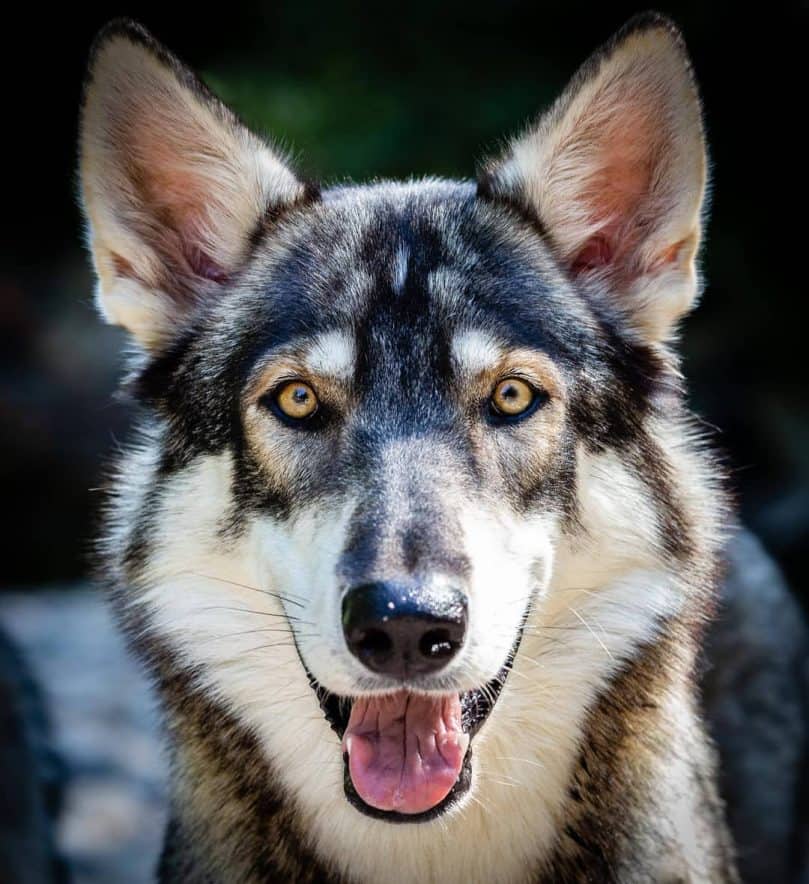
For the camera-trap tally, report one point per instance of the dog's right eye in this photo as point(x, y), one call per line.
point(514, 398)
point(293, 401)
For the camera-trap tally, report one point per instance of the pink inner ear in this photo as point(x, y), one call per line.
point(204, 266)
point(618, 190)
point(596, 252)
point(179, 196)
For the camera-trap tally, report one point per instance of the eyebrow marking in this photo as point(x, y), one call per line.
point(400, 269)
point(474, 350)
point(333, 354)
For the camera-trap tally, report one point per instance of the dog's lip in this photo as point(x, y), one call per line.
point(476, 706)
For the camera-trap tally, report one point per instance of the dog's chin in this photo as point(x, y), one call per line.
point(451, 755)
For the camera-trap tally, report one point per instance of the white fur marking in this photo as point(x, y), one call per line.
point(400, 269)
point(474, 351)
point(332, 354)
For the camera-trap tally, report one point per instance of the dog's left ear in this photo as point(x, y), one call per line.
point(615, 174)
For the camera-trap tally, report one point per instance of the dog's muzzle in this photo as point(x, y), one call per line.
point(407, 752)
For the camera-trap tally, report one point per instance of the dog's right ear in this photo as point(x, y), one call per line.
point(174, 187)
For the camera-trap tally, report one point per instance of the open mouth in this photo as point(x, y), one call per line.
point(408, 756)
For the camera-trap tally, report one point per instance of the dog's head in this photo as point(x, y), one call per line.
point(393, 430)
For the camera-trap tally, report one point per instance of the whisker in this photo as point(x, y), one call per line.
point(591, 631)
point(522, 761)
point(477, 801)
point(279, 644)
point(291, 617)
point(505, 783)
point(267, 592)
point(252, 631)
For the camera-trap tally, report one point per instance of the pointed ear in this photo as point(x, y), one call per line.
point(615, 174)
point(173, 186)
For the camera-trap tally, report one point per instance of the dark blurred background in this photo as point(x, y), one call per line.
point(399, 90)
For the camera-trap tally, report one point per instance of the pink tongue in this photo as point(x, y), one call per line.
point(405, 751)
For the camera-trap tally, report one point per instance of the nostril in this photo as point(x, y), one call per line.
point(437, 644)
point(374, 644)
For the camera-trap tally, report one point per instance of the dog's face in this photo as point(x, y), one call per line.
point(378, 414)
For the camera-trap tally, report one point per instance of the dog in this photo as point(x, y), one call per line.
point(418, 538)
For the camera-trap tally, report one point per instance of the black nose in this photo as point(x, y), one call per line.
point(404, 630)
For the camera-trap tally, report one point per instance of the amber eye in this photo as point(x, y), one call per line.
point(513, 397)
point(296, 400)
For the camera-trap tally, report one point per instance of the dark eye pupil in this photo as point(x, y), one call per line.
point(301, 395)
point(510, 392)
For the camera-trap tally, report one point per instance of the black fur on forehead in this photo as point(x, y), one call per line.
point(331, 265)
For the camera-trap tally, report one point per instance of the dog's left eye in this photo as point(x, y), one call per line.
point(294, 400)
point(514, 398)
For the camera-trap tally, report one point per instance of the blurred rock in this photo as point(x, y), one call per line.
point(30, 798)
point(105, 729)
